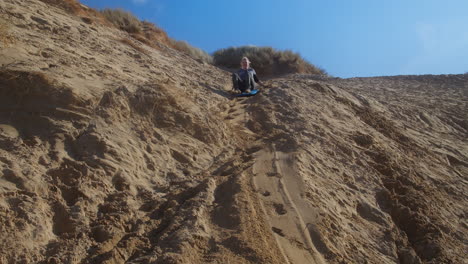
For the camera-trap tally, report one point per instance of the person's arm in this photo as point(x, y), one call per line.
point(256, 78)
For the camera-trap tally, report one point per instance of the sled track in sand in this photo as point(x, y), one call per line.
point(271, 176)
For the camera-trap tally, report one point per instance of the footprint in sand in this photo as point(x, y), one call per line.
point(278, 231)
point(279, 209)
point(273, 174)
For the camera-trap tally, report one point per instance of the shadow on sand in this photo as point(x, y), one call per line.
point(223, 93)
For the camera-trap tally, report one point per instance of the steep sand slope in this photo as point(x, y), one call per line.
point(379, 191)
point(114, 154)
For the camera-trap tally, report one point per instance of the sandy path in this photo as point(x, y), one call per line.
point(273, 176)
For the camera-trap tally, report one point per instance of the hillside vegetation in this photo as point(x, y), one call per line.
point(266, 60)
point(148, 33)
point(143, 31)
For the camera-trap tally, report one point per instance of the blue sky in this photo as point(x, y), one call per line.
point(348, 38)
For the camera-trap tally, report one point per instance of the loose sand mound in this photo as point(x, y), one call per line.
point(115, 152)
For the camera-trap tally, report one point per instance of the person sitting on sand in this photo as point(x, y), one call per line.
point(245, 78)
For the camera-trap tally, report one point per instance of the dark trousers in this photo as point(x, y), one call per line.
point(242, 85)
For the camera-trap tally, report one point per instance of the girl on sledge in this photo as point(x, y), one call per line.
point(245, 78)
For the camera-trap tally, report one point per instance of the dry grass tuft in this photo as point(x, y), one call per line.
point(148, 33)
point(88, 15)
point(134, 45)
point(153, 33)
point(266, 60)
point(71, 6)
point(122, 19)
point(192, 51)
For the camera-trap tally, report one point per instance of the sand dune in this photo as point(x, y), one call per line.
point(111, 154)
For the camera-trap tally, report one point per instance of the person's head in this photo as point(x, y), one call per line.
point(245, 63)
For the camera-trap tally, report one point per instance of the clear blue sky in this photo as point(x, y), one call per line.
point(346, 37)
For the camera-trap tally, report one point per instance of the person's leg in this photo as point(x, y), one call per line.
point(248, 83)
point(237, 83)
point(251, 83)
point(243, 86)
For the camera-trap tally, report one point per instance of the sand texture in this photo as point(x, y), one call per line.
point(116, 154)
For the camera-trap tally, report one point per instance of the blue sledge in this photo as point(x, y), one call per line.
point(252, 93)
